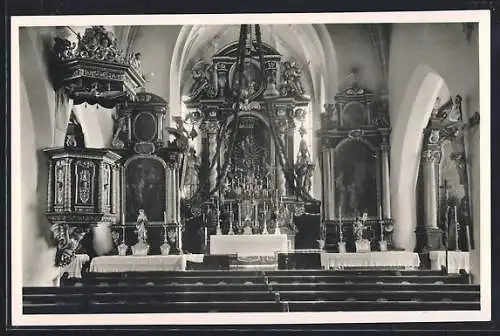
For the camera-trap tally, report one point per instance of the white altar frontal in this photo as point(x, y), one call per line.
point(388, 259)
point(150, 263)
point(248, 245)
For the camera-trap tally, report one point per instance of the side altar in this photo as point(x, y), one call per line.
point(355, 149)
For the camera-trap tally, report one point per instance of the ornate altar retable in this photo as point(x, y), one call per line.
point(241, 177)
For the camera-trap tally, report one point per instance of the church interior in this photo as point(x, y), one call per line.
point(212, 168)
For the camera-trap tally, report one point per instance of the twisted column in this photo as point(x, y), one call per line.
point(210, 129)
point(282, 131)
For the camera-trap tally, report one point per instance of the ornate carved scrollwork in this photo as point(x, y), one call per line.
point(68, 239)
point(94, 70)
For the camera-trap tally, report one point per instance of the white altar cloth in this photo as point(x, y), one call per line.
point(457, 260)
point(248, 245)
point(109, 264)
point(400, 259)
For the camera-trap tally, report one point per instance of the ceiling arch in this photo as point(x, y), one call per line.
point(309, 44)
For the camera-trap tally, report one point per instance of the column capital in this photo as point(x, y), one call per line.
point(385, 147)
point(210, 127)
point(431, 155)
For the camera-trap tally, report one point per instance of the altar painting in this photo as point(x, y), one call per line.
point(355, 179)
point(145, 189)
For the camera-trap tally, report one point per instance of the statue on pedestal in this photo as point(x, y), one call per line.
point(142, 247)
point(304, 168)
point(362, 244)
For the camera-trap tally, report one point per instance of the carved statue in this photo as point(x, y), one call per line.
point(60, 185)
point(202, 77)
point(64, 49)
point(304, 168)
point(191, 181)
point(106, 183)
point(135, 60)
point(68, 239)
point(141, 230)
point(360, 227)
point(122, 127)
point(291, 79)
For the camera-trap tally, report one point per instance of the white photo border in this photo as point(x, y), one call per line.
point(482, 17)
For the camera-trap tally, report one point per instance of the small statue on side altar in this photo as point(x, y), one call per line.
point(362, 244)
point(304, 168)
point(142, 247)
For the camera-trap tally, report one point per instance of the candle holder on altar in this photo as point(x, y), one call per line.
point(218, 229)
point(123, 248)
point(362, 244)
point(264, 230)
point(231, 220)
point(382, 242)
point(165, 247)
point(341, 243)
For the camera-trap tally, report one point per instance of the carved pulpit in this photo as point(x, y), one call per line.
point(83, 191)
point(355, 170)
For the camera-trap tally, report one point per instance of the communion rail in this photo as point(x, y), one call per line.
point(250, 291)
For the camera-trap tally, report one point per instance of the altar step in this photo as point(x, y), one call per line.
point(246, 291)
point(276, 277)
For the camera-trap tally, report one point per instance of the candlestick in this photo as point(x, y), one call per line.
point(467, 231)
point(341, 233)
point(231, 219)
point(455, 218)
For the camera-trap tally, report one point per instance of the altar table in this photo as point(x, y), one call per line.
point(148, 263)
point(457, 260)
point(392, 259)
point(249, 245)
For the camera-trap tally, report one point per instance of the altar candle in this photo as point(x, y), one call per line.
point(467, 230)
point(380, 212)
point(165, 217)
point(455, 218)
point(123, 219)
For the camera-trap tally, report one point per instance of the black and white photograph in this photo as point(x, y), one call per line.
point(236, 169)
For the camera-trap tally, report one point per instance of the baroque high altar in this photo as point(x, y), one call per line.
point(244, 178)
